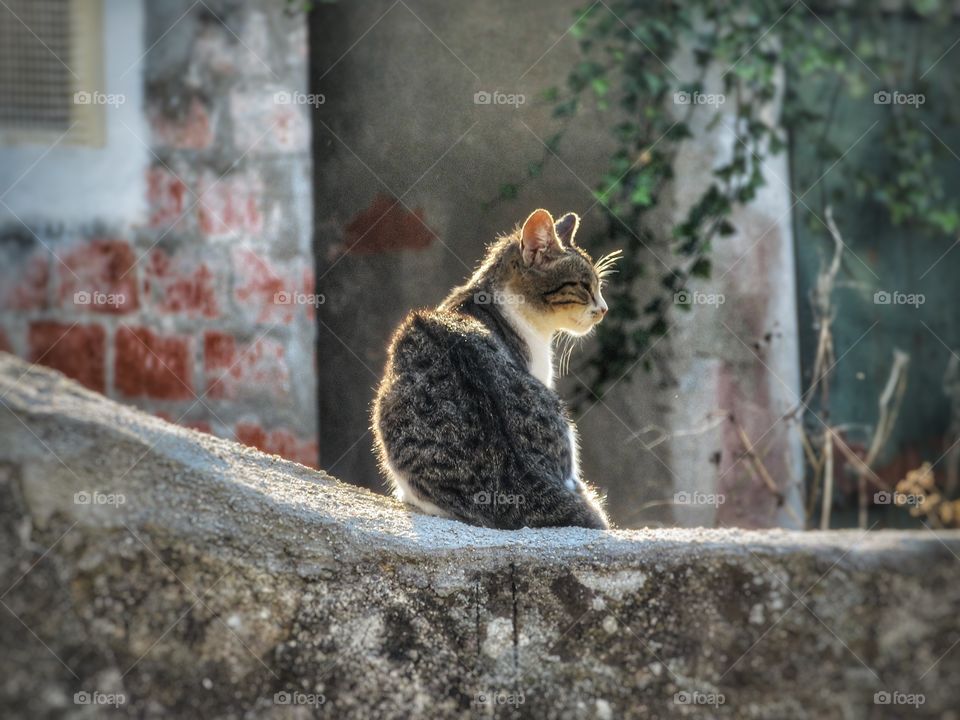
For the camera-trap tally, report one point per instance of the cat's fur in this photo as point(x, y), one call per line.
point(466, 420)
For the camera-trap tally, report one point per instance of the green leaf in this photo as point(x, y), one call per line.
point(641, 196)
point(946, 220)
point(701, 268)
point(508, 191)
point(566, 108)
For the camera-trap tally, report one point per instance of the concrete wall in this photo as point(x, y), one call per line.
point(150, 269)
point(196, 578)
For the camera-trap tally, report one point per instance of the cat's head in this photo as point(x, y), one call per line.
point(558, 281)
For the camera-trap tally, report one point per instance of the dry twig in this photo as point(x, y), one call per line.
point(889, 404)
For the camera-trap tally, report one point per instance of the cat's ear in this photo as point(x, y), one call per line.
point(566, 228)
point(538, 239)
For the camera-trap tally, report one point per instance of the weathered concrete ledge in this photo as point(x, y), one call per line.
point(191, 577)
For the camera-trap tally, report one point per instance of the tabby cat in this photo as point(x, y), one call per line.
point(466, 420)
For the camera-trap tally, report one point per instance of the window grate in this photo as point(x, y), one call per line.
point(49, 52)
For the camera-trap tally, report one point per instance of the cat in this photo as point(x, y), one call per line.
point(466, 422)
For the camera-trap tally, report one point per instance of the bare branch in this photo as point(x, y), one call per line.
point(889, 408)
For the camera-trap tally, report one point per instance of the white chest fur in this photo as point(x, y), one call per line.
point(540, 345)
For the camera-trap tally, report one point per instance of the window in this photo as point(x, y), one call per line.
point(51, 70)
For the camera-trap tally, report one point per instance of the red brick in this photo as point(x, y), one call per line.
point(163, 415)
point(385, 226)
point(233, 370)
point(201, 425)
point(182, 288)
point(190, 132)
point(166, 197)
point(230, 206)
point(251, 434)
point(99, 276)
point(150, 365)
point(279, 441)
point(257, 287)
point(219, 350)
point(23, 284)
point(78, 351)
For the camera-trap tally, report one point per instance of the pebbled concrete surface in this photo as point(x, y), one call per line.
point(194, 577)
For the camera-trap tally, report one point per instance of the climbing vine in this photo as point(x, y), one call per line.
point(633, 66)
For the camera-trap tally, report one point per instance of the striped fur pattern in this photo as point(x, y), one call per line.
point(466, 422)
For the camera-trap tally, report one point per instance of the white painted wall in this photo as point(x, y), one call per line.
point(722, 360)
point(79, 184)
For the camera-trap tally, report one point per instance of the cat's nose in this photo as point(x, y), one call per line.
point(600, 311)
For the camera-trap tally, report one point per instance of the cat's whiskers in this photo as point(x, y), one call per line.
point(606, 265)
point(574, 342)
point(568, 343)
point(563, 361)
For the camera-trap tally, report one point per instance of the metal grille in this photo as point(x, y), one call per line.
point(36, 56)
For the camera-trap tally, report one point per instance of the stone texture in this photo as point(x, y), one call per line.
point(189, 576)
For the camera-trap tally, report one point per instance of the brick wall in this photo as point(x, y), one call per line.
point(200, 308)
